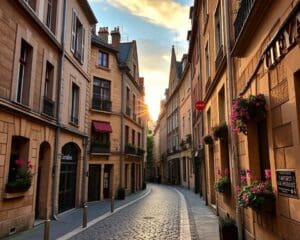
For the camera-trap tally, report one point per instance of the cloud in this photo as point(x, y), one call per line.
point(165, 13)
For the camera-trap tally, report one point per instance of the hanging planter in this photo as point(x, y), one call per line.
point(248, 109)
point(208, 139)
point(220, 132)
point(258, 195)
point(223, 183)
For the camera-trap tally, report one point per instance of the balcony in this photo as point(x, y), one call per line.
point(128, 111)
point(247, 19)
point(48, 106)
point(130, 149)
point(100, 104)
point(100, 148)
point(140, 151)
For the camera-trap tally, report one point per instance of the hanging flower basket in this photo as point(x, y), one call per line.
point(220, 132)
point(223, 183)
point(20, 177)
point(208, 139)
point(259, 195)
point(248, 109)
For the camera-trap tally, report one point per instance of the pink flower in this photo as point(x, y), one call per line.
point(254, 189)
point(243, 179)
point(30, 165)
point(237, 189)
point(249, 173)
point(219, 172)
point(268, 173)
point(19, 162)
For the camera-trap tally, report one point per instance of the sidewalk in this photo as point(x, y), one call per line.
point(73, 219)
point(202, 219)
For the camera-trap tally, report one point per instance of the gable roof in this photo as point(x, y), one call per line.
point(123, 54)
point(96, 40)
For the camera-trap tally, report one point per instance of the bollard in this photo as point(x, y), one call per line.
point(112, 203)
point(84, 217)
point(47, 229)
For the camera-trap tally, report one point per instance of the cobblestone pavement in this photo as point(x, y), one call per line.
point(157, 216)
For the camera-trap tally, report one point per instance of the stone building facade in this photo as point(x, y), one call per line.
point(117, 130)
point(249, 48)
point(43, 126)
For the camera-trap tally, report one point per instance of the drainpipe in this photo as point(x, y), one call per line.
point(84, 170)
point(235, 160)
point(122, 132)
point(58, 128)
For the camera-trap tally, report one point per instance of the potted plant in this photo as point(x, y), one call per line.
point(121, 193)
point(220, 131)
point(20, 177)
point(227, 228)
point(258, 195)
point(223, 183)
point(248, 109)
point(208, 139)
point(130, 149)
point(140, 151)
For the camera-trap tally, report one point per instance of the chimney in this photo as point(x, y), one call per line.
point(141, 81)
point(103, 34)
point(115, 37)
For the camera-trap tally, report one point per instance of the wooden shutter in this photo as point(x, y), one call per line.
point(82, 44)
point(73, 38)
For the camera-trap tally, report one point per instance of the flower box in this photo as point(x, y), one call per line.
point(208, 139)
point(222, 185)
point(258, 195)
point(220, 132)
point(248, 109)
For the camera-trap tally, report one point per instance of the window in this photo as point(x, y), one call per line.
point(101, 94)
point(139, 139)
point(207, 63)
point(51, 14)
point(48, 106)
point(126, 135)
point(184, 169)
point(263, 149)
point(128, 109)
point(218, 29)
point(78, 36)
point(103, 59)
point(75, 104)
point(221, 98)
point(31, 3)
point(23, 84)
point(100, 142)
point(18, 156)
point(133, 137)
point(133, 106)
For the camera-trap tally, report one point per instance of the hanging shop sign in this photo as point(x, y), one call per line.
point(286, 38)
point(200, 105)
point(286, 183)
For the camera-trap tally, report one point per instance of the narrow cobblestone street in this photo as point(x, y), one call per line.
point(157, 216)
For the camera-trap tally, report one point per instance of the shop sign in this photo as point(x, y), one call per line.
point(286, 183)
point(285, 39)
point(66, 157)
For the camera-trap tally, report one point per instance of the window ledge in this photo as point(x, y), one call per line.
point(73, 124)
point(103, 68)
point(13, 195)
point(100, 154)
point(100, 111)
point(25, 107)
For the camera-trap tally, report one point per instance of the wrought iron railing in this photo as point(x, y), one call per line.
point(100, 148)
point(100, 104)
point(242, 15)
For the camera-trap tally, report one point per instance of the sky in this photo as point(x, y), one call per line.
point(156, 25)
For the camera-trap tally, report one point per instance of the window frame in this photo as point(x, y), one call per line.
point(77, 37)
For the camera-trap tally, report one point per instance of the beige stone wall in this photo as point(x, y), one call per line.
point(18, 212)
point(280, 86)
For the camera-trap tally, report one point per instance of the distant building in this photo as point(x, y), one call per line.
point(117, 122)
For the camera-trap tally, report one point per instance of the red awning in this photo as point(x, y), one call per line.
point(102, 127)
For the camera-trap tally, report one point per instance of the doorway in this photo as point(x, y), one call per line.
point(94, 182)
